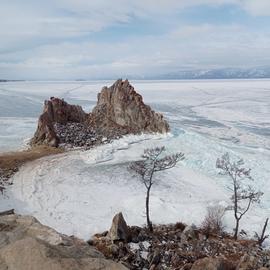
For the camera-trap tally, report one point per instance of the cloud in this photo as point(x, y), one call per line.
point(204, 46)
point(257, 7)
point(56, 39)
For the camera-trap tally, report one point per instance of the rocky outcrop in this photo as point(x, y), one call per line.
point(120, 110)
point(56, 111)
point(177, 246)
point(121, 107)
point(26, 244)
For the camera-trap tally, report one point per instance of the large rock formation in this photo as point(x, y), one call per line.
point(120, 107)
point(56, 111)
point(26, 244)
point(119, 111)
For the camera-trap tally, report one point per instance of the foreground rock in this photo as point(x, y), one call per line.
point(181, 247)
point(26, 244)
point(213, 264)
point(119, 229)
point(119, 111)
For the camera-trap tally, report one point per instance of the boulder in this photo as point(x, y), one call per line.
point(119, 111)
point(189, 233)
point(212, 264)
point(27, 244)
point(248, 262)
point(16, 227)
point(119, 229)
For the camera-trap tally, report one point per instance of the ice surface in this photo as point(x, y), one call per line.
point(15, 132)
point(79, 192)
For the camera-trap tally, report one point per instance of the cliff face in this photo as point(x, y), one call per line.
point(119, 110)
point(119, 106)
point(56, 111)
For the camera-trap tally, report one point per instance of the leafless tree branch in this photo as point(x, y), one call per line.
point(153, 160)
point(237, 173)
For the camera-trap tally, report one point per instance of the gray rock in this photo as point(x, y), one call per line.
point(27, 244)
point(212, 264)
point(119, 229)
point(189, 233)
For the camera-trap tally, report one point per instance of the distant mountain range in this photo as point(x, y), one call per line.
point(10, 80)
point(192, 74)
point(223, 73)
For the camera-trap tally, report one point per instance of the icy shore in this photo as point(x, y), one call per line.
point(79, 192)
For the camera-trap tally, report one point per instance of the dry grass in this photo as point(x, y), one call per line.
point(213, 222)
point(13, 160)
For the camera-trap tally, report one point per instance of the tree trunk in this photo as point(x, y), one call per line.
point(235, 210)
point(149, 223)
point(236, 229)
point(263, 237)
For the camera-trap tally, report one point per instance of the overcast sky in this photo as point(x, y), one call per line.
point(73, 39)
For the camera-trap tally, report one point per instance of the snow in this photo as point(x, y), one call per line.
point(80, 191)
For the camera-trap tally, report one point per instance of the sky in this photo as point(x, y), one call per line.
point(93, 39)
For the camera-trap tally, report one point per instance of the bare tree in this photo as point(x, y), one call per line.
point(153, 160)
point(261, 238)
point(241, 193)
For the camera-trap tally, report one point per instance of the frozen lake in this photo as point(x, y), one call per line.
point(78, 193)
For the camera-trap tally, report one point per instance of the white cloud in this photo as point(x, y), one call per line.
point(257, 7)
point(24, 21)
point(188, 46)
point(48, 38)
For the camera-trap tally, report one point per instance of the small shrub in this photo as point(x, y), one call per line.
point(213, 222)
point(180, 226)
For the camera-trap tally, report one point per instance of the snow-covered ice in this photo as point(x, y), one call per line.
point(80, 191)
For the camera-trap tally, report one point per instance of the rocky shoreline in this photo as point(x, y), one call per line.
point(27, 244)
point(178, 247)
point(10, 162)
point(5, 176)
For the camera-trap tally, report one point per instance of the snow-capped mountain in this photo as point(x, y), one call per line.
point(222, 73)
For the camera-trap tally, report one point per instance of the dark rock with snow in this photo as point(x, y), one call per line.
point(119, 111)
point(76, 135)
